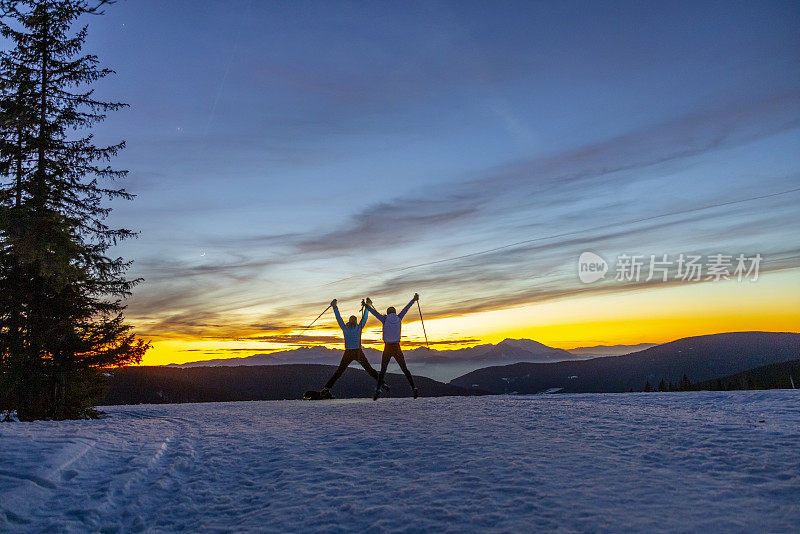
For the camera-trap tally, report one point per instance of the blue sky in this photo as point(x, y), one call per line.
point(278, 148)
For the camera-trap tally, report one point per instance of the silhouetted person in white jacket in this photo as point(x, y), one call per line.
point(392, 323)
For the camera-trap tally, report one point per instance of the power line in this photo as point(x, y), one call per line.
point(566, 234)
point(533, 240)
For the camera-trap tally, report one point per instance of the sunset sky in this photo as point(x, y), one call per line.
point(286, 153)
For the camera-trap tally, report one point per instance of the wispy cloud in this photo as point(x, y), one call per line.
point(602, 196)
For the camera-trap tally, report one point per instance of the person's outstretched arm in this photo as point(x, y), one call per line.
point(408, 306)
point(336, 312)
point(373, 311)
point(364, 317)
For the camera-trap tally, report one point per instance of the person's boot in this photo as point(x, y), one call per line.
point(385, 387)
point(416, 393)
point(325, 393)
point(377, 394)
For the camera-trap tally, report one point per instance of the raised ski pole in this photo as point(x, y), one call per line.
point(314, 321)
point(423, 324)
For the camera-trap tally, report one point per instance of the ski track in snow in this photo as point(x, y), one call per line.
point(603, 463)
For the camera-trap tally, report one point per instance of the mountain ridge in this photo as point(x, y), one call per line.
point(421, 354)
point(167, 385)
point(598, 351)
point(699, 357)
point(436, 364)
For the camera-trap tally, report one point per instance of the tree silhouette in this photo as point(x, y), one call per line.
point(685, 384)
point(61, 311)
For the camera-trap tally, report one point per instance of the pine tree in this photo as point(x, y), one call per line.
point(61, 310)
point(685, 384)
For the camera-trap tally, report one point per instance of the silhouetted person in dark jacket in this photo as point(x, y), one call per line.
point(392, 323)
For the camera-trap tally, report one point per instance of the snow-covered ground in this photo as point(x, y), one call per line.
point(714, 462)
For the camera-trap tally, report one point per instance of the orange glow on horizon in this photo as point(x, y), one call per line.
point(655, 315)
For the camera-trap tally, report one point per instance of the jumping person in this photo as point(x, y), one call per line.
point(352, 348)
point(392, 322)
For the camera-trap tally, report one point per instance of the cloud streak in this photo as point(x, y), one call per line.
point(280, 201)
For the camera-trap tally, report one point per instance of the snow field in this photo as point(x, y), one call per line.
point(605, 463)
